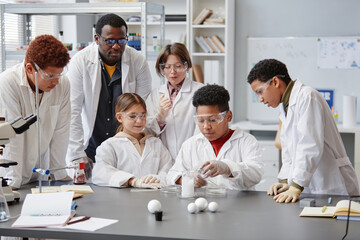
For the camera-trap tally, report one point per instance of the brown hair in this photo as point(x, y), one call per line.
point(177, 49)
point(45, 51)
point(125, 101)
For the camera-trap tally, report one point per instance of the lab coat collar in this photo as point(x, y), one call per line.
point(294, 93)
point(94, 55)
point(238, 133)
point(186, 87)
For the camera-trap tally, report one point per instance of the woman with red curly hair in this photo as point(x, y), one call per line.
point(47, 57)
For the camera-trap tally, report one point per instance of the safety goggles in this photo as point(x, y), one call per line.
point(111, 42)
point(133, 116)
point(209, 118)
point(46, 76)
point(260, 91)
point(177, 67)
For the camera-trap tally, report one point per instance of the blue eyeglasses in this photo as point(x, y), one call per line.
point(111, 42)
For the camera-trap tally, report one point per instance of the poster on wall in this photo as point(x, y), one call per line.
point(338, 53)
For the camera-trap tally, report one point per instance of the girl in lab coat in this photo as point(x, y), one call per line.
point(131, 157)
point(169, 107)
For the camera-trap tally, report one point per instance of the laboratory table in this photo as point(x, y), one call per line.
point(241, 215)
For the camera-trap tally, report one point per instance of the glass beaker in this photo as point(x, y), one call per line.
point(187, 184)
point(4, 210)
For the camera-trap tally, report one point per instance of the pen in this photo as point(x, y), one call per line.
point(323, 209)
point(329, 200)
point(80, 220)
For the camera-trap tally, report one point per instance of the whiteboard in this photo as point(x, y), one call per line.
point(300, 55)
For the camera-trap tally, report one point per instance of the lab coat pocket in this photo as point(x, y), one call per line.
point(53, 116)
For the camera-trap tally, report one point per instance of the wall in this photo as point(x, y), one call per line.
point(282, 18)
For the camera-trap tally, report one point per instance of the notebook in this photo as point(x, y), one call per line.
point(43, 210)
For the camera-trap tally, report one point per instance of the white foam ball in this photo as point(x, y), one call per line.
point(192, 208)
point(154, 205)
point(213, 206)
point(201, 203)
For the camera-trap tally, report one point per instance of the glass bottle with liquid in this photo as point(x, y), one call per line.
point(79, 173)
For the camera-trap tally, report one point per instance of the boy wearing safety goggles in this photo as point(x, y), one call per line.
point(225, 157)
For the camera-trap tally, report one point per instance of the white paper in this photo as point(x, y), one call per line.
point(91, 224)
point(40, 210)
point(349, 111)
point(339, 53)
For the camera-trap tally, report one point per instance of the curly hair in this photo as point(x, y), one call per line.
point(176, 49)
point(110, 19)
point(268, 68)
point(212, 95)
point(46, 50)
point(125, 101)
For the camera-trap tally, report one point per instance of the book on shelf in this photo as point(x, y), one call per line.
point(64, 188)
point(203, 45)
point(198, 73)
point(214, 21)
point(212, 72)
point(204, 14)
point(212, 45)
point(218, 43)
point(341, 209)
point(44, 210)
point(175, 17)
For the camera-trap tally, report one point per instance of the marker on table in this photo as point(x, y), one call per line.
point(329, 200)
point(324, 208)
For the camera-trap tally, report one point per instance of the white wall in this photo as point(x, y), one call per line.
point(282, 18)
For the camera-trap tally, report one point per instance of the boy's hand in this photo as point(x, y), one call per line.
point(214, 168)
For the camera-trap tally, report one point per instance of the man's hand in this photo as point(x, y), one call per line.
point(65, 179)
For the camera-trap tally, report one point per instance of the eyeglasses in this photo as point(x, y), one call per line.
point(177, 67)
point(260, 91)
point(133, 116)
point(209, 118)
point(111, 42)
point(46, 76)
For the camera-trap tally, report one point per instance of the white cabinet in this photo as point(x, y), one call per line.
point(226, 32)
point(271, 165)
point(142, 9)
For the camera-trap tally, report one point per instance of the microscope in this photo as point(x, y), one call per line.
point(7, 131)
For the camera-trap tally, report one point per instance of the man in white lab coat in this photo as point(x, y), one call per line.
point(47, 56)
point(99, 74)
point(314, 159)
point(224, 157)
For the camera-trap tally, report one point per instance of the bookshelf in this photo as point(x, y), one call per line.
point(224, 62)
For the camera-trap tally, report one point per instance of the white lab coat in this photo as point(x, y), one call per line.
point(313, 154)
point(85, 79)
point(17, 99)
point(117, 160)
point(179, 122)
point(241, 153)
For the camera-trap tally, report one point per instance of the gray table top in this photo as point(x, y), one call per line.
point(241, 215)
